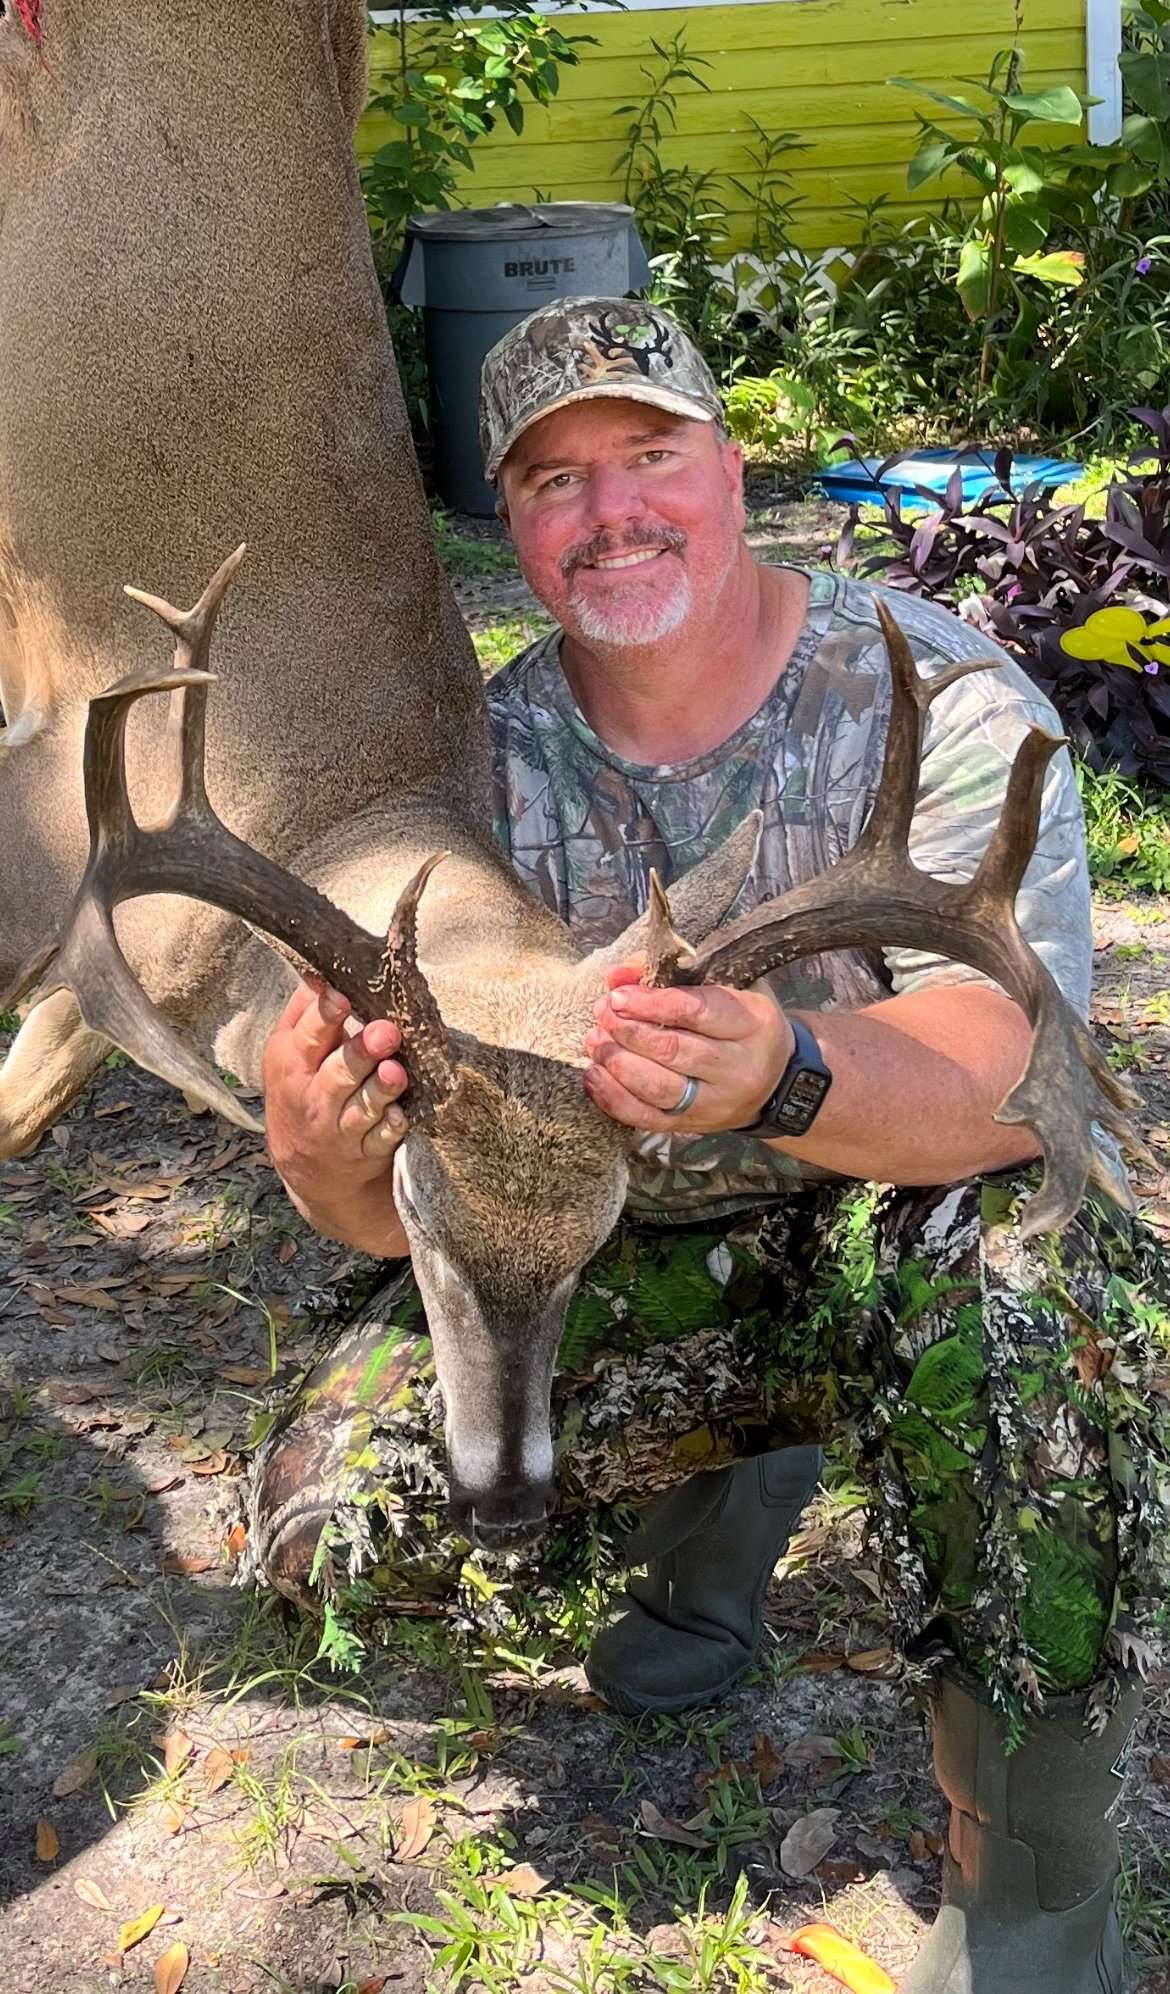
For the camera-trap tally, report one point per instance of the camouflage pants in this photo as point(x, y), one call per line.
point(1005, 1404)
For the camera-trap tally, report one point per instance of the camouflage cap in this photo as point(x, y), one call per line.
point(581, 349)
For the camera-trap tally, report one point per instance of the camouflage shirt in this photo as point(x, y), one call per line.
point(583, 827)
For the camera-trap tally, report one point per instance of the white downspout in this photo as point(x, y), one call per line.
point(1102, 76)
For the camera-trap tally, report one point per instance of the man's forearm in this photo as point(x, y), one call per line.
point(916, 1080)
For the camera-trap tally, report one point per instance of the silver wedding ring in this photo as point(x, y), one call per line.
point(686, 1100)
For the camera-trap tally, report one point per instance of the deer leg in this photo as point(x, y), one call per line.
point(51, 1058)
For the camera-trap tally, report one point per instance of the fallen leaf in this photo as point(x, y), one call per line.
point(809, 1748)
point(808, 1840)
point(48, 1842)
point(664, 1829)
point(182, 1563)
point(159, 1483)
point(373, 1986)
point(236, 1539)
point(767, 1763)
point(90, 1298)
point(244, 1374)
point(213, 1464)
point(819, 1661)
point(1160, 1769)
point(111, 1353)
point(842, 1960)
point(136, 1929)
point(520, 1881)
point(218, 1768)
point(177, 1749)
point(92, 1894)
point(870, 1661)
point(416, 1825)
point(117, 1108)
point(77, 1774)
point(377, 1737)
point(170, 1969)
point(173, 1818)
point(287, 1252)
point(917, 1845)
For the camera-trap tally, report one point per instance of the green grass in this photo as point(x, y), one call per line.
point(497, 643)
point(466, 558)
point(1128, 834)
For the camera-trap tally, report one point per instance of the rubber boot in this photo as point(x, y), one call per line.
point(691, 1626)
point(1032, 1852)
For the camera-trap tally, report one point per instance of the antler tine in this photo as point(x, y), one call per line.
point(665, 948)
point(193, 630)
point(875, 897)
point(403, 992)
point(888, 828)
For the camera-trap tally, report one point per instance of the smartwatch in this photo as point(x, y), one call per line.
point(793, 1105)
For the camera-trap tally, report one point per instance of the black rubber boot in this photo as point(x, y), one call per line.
point(690, 1627)
point(1032, 1853)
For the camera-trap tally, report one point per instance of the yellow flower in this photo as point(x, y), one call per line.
point(1106, 636)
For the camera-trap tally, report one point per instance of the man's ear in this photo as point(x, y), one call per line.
point(502, 512)
point(731, 459)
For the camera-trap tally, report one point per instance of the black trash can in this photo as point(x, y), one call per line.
point(478, 271)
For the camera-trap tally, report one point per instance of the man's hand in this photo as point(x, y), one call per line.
point(331, 1089)
point(647, 1043)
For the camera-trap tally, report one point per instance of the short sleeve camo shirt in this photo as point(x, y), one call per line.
point(583, 827)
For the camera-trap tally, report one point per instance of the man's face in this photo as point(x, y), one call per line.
point(625, 519)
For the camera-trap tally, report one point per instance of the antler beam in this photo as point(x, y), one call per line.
point(876, 897)
point(192, 852)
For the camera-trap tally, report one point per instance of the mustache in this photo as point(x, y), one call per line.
point(586, 552)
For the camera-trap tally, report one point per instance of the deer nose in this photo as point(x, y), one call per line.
point(504, 1516)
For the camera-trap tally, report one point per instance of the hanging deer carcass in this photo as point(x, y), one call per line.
point(190, 335)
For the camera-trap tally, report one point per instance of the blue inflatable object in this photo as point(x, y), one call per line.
point(853, 483)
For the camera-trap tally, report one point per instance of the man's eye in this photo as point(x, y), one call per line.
point(656, 456)
point(559, 482)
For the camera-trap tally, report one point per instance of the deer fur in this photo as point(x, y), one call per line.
point(193, 349)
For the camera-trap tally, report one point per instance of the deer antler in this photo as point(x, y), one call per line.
point(875, 896)
point(192, 852)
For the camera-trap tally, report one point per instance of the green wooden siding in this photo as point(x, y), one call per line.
point(814, 67)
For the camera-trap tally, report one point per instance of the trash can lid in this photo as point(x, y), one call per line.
point(513, 219)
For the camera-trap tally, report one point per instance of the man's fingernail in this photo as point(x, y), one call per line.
point(618, 1000)
point(395, 1120)
point(333, 1005)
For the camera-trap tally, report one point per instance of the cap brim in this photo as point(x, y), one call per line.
point(616, 391)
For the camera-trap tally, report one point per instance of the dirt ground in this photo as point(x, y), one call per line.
point(166, 1739)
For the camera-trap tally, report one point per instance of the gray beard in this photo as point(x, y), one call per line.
point(624, 626)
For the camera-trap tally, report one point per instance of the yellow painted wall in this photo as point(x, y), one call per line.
point(816, 67)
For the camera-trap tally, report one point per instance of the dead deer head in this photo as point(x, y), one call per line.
point(509, 1179)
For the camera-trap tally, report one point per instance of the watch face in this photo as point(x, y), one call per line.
point(804, 1097)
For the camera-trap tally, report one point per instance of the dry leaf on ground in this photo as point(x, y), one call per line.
point(77, 1774)
point(173, 1818)
point(870, 1661)
point(236, 1540)
point(92, 1894)
point(218, 1768)
point(843, 1960)
point(170, 1969)
point(177, 1749)
point(521, 1881)
point(808, 1840)
point(136, 1929)
point(416, 1825)
point(664, 1829)
point(376, 1737)
point(244, 1374)
point(180, 1564)
point(48, 1842)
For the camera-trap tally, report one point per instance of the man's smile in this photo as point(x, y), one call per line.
point(635, 560)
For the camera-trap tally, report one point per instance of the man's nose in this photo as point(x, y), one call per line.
point(613, 496)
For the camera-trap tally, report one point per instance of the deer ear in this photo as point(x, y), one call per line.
point(699, 901)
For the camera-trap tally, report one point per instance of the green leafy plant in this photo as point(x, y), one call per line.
point(455, 76)
point(1025, 192)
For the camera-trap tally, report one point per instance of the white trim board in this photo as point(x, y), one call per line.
point(383, 17)
point(1102, 76)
